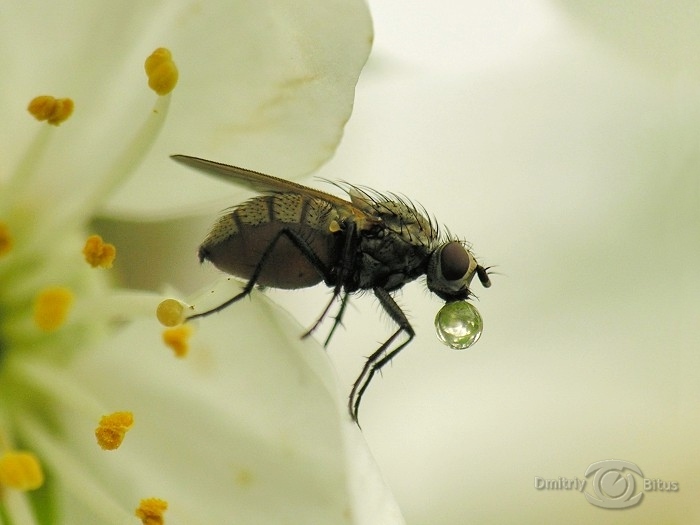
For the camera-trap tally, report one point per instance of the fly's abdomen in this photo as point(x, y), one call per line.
point(239, 240)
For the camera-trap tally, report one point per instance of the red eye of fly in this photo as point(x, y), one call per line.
point(454, 261)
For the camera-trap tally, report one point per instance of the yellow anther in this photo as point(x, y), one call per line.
point(21, 471)
point(112, 429)
point(51, 307)
point(178, 339)
point(170, 312)
point(151, 511)
point(99, 253)
point(161, 71)
point(52, 110)
point(6, 241)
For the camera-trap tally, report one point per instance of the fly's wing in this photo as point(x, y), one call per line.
point(261, 183)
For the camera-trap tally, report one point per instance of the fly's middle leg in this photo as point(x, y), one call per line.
point(299, 242)
point(380, 357)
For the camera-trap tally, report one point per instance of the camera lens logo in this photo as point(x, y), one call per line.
point(614, 489)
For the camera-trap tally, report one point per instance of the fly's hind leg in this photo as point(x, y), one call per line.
point(380, 357)
point(301, 245)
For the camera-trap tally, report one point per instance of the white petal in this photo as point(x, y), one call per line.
point(267, 86)
point(264, 85)
point(92, 52)
point(249, 425)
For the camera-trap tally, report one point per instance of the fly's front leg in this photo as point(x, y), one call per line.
point(379, 358)
point(298, 241)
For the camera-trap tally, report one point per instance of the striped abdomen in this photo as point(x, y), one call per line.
point(238, 240)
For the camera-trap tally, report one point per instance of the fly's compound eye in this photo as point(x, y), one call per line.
point(454, 261)
point(450, 271)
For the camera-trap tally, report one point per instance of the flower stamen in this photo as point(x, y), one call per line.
point(163, 74)
point(53, 110)
point(78, 480)
point(99, 253)
point(178, 339)
point(151, 511)
point(51, 307)
point(112, 429)
point(161, 71)
point(20, 470)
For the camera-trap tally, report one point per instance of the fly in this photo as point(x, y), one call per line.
point(294, 237)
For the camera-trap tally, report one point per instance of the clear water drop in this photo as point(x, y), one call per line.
point(458, 324)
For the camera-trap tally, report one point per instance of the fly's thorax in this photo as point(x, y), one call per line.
point(396, 249)
point(388, 259)
point(408, 223)
point(450, 271)
point(397, 215)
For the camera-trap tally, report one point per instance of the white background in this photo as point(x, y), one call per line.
point(570, 160)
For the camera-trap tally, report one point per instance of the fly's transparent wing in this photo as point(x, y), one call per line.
point(258, 182)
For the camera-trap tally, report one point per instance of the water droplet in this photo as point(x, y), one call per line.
point(458, 324)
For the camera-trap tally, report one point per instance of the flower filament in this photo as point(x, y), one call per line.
point(53, 305)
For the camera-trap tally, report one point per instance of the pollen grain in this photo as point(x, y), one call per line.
point(20, 470)
point(112, 429)
point(53, 110)
point(51, 307)
point(161, 71)
point(99, 253)
point(151, 511)
point(178, 339)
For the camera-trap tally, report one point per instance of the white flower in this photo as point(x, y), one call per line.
point(248, 428)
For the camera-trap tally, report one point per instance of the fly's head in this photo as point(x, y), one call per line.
point(450, 271)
